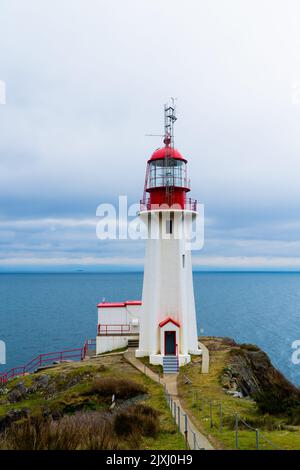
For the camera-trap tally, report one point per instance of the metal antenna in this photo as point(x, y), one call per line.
point(170, 119)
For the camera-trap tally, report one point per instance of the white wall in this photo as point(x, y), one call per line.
point(109, 343)
point(168, 285)
point(127, 315)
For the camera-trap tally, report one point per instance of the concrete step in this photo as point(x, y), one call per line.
point(170, 364)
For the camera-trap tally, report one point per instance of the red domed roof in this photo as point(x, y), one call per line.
point(167, 152)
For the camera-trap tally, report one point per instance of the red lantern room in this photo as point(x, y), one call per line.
point(167, 182)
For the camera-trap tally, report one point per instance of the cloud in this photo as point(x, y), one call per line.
point(84, 84)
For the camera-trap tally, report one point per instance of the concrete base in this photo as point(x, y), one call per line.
point(195, 352)
point(140, 353)
point(157, 359)
point(109, 343)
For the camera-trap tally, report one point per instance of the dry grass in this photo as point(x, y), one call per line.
point(108, 386)
point(89, 431)
point(84, 431)
point(139, 419)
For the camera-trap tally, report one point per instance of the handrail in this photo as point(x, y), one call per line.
point(46, 358)
point(105, 330)
point(189, 204)
point(177, 356)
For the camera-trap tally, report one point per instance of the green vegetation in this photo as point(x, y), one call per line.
point(158, 369)
point(202, 398)
point(70, 407)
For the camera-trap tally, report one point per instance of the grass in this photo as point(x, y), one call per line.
point(206, 388)
point(114, 351)
point(109, 374)
point(158, 369)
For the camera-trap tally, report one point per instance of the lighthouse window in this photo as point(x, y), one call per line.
point(183, 261)
point(169, 172)
point(169, 226)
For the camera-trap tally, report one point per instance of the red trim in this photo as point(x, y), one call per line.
point(167, 320)
point(174, 335)
point(167, 152)
point(111, 304)
point(118, 304)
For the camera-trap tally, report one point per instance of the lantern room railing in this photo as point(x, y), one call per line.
point(190, 205)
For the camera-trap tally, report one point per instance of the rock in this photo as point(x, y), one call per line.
point(18, 393)
point(234, 393)
point(251, 373)
point(42, 381)
point(12, 416)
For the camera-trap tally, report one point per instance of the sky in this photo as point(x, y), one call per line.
point(87, 80)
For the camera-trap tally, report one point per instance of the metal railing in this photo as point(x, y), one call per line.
point(189, 204)
point(183, 423)
point(181, 418)
point(121, 329)
point(46, 359)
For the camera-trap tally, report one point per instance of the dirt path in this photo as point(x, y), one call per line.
point(196, 440)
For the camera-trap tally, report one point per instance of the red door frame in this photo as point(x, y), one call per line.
point(174, 335)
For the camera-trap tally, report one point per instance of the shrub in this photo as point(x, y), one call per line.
point(108, 386)
point(139, 419)
point(249, 347)
point(274, 402)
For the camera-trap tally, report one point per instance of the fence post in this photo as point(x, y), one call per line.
point(171, 403)
point(236, 431)
point(221, 418)
point(178, 411)
point(194, 440)
point(175, 411)
point(210, 414)
point(257, 438)
point(186, 430)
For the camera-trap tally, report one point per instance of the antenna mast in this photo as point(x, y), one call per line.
point(170, 118)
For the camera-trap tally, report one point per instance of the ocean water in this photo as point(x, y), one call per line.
point(50, 312)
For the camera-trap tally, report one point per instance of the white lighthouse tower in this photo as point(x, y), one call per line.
point(168, 329)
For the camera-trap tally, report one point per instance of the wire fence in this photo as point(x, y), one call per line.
point(180, 417)
point(217, 417)
point(183, 423)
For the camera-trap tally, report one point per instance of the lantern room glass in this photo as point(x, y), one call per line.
point(168, 172)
